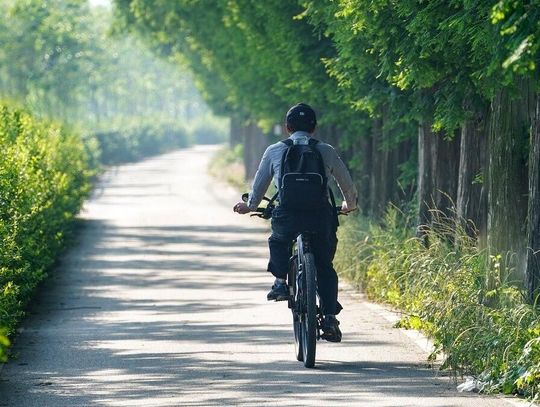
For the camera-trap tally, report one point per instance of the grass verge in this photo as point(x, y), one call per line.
point(485, 331)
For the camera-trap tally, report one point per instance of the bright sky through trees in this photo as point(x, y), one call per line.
point(100, 3)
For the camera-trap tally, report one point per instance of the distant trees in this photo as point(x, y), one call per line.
point(60, 59)
point(437, 98)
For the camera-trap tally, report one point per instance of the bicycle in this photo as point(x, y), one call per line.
point(302, 282)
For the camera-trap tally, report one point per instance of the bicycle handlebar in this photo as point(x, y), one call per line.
point(266, 212)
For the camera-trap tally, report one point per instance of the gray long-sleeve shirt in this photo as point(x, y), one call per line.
point(270, 167)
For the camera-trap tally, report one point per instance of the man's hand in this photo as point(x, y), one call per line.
point(241, 208)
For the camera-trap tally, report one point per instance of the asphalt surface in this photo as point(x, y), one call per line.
point(161, 301)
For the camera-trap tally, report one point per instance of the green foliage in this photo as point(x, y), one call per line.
point(44, 177)
point(47, 48)
point(4, 345)
point(519, 26)
point(416, 58)
point(487, 332)
point(59, 59)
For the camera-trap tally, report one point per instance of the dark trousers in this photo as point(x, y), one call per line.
point(286, 225)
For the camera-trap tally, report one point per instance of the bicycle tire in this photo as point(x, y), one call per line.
point(309, 320)
point(297, 326)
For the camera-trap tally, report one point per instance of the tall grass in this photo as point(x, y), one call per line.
point(485, 330)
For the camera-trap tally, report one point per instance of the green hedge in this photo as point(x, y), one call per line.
point(44, 178)
point(452, 291)
point(133, 143)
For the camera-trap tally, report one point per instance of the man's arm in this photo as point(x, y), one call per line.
point(262, 180)
point(340, 172)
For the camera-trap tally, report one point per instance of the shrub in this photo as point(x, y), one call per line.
point(44, 178)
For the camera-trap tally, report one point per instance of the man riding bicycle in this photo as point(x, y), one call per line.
point(287, 223)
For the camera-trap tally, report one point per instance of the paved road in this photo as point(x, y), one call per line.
point(161, 302)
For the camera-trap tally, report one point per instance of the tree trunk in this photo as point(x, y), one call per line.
point(532, 271)
point(508, 180)
point(376, 186)
point(425, 176)
point(255, 142)
point(389, 163)
point(471, 204)
point(406, 151)
point(438, 162)
point(446, 169)
point(364, 176)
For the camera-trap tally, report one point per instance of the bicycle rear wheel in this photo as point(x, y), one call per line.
point(309, 318)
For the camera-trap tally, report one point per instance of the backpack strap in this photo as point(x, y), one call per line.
point(289, 143)
point(273, 198)
point(312, 143)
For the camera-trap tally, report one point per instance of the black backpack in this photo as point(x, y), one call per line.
point(303, 182)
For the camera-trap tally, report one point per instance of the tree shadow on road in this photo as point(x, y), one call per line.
point(180, 348)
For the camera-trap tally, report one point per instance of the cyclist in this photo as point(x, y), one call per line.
point(300, 123)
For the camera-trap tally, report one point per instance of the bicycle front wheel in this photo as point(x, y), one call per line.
point(309, 320)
